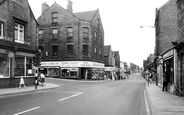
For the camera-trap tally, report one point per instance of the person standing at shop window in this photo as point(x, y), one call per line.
point(22, 82)
point(165, 80)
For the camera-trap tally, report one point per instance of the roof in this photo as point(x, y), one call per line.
point(88, 15)
point(107, 49)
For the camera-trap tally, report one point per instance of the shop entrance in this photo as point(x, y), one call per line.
point(85, 73)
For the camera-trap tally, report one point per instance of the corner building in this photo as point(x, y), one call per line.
point(72, 43)
point(18, 42)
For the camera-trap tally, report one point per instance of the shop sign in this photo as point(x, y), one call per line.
point(71, 69)
point(10, 54)
point(69, 63)
point(50, 64)
point(6, 38)
point(108, 69)
point(168, 54)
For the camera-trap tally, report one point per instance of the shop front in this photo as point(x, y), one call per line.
point(13, 65)
point(108, 71)
point(50, 68)
point(81, 69)
point(168, 65)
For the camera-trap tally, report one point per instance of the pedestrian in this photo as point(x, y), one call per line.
point(165, 81)
point(22, 82)
point(42, 76)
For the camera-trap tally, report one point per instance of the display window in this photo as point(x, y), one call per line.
point(69, 72)
point(52, 72)
point(4, 66)
point(23, 66)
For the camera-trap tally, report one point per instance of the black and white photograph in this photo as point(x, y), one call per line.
point(91, 57)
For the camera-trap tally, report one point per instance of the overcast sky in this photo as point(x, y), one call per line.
point(121, 21)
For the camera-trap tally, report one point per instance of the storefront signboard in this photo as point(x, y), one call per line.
point(69, 63)
point(50, 64)
point(168, 54)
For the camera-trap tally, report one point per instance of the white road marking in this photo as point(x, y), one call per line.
point(26, 111)
point(79, 93)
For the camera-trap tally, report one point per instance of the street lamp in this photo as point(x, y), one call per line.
point(147, 26)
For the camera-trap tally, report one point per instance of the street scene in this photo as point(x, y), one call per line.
point(91, 57)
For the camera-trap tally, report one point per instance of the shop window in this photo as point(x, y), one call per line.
point(85, 50)
point(19, 33)
point(1, 28)
point(69, 32)
point(40, 34)
point(69, 50)
point(21, 67)
point(54, 17)
point(55, 33)
point(85, 32)
point(4, 66)
point(54, 50)
point(52, 72)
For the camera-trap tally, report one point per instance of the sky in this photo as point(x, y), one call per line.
point(121, 21)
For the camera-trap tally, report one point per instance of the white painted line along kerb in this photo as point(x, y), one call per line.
point(70, 96)
point(26, 111)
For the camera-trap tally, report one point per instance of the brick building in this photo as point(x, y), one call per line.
point(72, 43)
point(166, 35)
point(18, 41)
point(180, 50)
point(109, 61)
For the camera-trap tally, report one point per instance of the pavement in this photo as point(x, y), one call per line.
point(163, 103)
point(17, 90)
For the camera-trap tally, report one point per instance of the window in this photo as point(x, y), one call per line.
point(95, 35)
point(40, 34)
point(85, 50)
point(54, 50)
point(95, 50)
point(1, 28)
point(85, 32)
point(69, 50)
point(19, 33)
point(98, 21)
point(54, 33)
point(100, 39)
point(69, 32)
point(54, 17)
point(100, 52)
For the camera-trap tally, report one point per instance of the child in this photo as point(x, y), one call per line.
point(22, 82)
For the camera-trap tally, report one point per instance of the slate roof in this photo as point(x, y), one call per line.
point(88, 15)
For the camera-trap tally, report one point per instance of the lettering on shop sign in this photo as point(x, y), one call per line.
point(6, 38)
point(49, 63)
point(69, 64)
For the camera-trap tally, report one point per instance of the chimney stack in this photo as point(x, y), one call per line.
point(45, 6)
point(69, 6)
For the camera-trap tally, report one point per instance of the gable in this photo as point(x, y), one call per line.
point(88, 15)
point(62, 13)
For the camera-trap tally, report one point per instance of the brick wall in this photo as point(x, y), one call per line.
point(167, 26)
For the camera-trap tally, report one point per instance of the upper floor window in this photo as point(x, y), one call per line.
point(54, 50)
point(95, 35)
point(69, 50)
point(69, 32)
point(54, 17)
point(98, 22)
point(19, 33)
point(85, 32)
point(100, 39)
point(1, 28)
point(95, 50)
point(100, 53)
point(85, 50)
point(40, 34)
point(54, 33)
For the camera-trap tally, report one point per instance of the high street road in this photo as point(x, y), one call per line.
point(124, 97)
